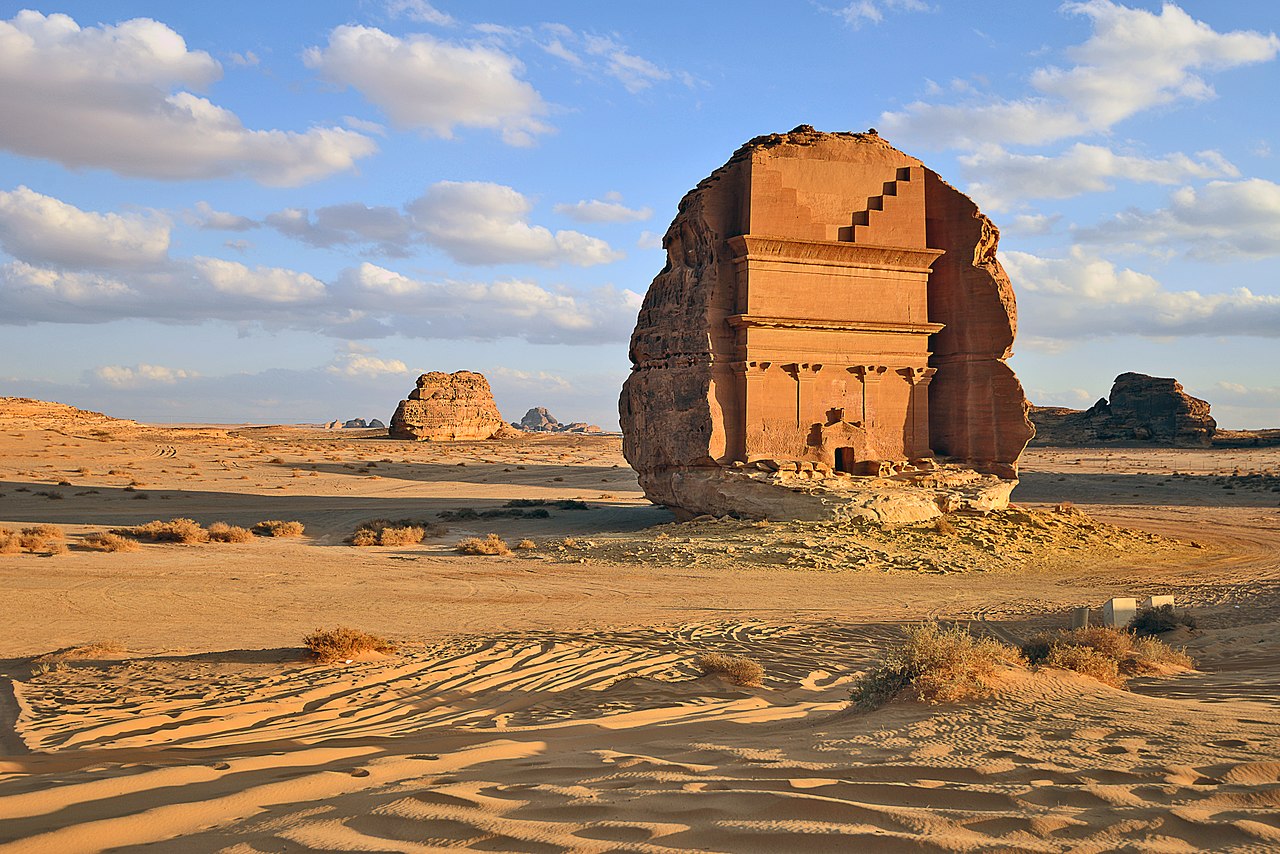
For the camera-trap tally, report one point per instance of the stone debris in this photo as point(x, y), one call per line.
point(447, 407)
point(827, 299)
point(1141, 408)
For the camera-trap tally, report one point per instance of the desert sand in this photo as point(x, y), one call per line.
point(547, 700)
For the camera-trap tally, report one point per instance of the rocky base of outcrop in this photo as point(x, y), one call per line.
point(763, 490)
point(1141, 410)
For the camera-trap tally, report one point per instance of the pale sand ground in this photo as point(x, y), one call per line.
point(540, 703)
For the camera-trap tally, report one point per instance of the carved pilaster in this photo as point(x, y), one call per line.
point(870, 376)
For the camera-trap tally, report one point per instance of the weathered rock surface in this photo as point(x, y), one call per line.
point(540, 420)
point(828, 300)
point(445, 407)
point(376, 423)
point(1141, 408)
point(355, 424)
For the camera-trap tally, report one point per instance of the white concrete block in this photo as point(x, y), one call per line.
point(1158, 602)
point(1119, 611)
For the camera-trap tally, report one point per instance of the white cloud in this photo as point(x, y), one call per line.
point(204, 216)
point(132, 377)
point(542, 380)
point(1086, 296)
point(1032, 224)
point(610, 209)
point(1000, 179)
point(364, 125)
point(420, 11)
point(268, 284)
point(42, 229)
point(1134, 60)
point(861, 12)
point(431, 85)
point(114, 97)
point(363, 365)
point(350, 223)
point(1220, 221)
point(483, 223)
point(635, 73)
point(649, 240)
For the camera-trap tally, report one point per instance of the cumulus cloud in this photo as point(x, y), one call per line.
point(482, 223)
point(267, 284)
point(122, 376)
point(999, 178)
point(861, 12)
point(116, 97)
point(1223, 220)
point(204, 216)
point(431, 85)
point(1133, 61)
point(385, 228)
point(1085, 296)
point(610, 209)
point(40, 228)
point(364, 365)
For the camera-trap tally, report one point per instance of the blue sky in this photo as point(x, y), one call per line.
point(286, 211)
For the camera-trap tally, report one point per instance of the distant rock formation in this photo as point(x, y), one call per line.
point(1141, 409)
point(333, 425)
point(445, 407)
point(375, 423)
point(827, 301)
point(540, 420)
point(354, 424)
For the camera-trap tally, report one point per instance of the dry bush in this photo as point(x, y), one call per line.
point(490, 545)
point(935, 665)
point(1085, 660)
point(400, 532)
point(943, 525)
point(185, 531)
point(56, 548)
point(221, 532)
point(103, 541)
point(343, 644)
point(1157, 621)
point(10, 542)
point(526, 545)
point(1108, 655)
point(735, 668)
point(278, 528)
point(1152, 655)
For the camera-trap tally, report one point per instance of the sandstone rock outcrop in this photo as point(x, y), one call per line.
point(445, 407)
point(1141, 408)
point(540, 420)
point(827, 300)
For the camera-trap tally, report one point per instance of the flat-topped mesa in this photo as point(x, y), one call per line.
point(828, 301)
point(445, 407)
point(1141, 409)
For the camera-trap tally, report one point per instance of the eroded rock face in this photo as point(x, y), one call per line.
point(445, 407)
point(539, 420)
point(827, 300)
point(1141, 409)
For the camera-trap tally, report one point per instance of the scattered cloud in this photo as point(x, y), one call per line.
point(364, 365)
point(432, 85)
point(364, 125)
point(1134, 60)
point(385, 228)
point(115, 97)
point(1032, 225)
point(635, 73)
point(861, 12)
point(649, 240)
point(248, 59)
point(420, 11)
point(482, 223)
point(43, 229)
point(1000, 179)
point(1223, 220)
point(122, 376)
point(204, 216)
point(264, 284)
point(610, 209)
point(541, 380)
point(1086, 296)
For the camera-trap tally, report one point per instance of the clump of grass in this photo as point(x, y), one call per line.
point(1157, 621)
point(10, 542)
point(39, 538)
point(943, 525)
point(221, 532)
point(490, 545)
point(278, 528)
point(104, 541)
point(185, 531)
point(344, 644)
point(935, 665)
point(401, 532)
point(1109, 655)
point(526, 545)
point(737, 669)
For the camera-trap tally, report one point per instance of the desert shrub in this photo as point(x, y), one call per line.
point(10, 542)
point(1085, 660)
point(735, 668)
point(221, 532)
point(1151, 655)
point(526, 545)
point(559, 503)
point(40, 537)
point(943, 525)
point(103, 541)
point(409, 535)
point(186, 531)
point(278, 528)
point(56, 548)
point(934, 665)
point(398, 532)
point(490, 545)
point(1113, 643)
point(1156, 621)
point(342, 643)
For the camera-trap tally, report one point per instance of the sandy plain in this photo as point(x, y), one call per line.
point(548, 700)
